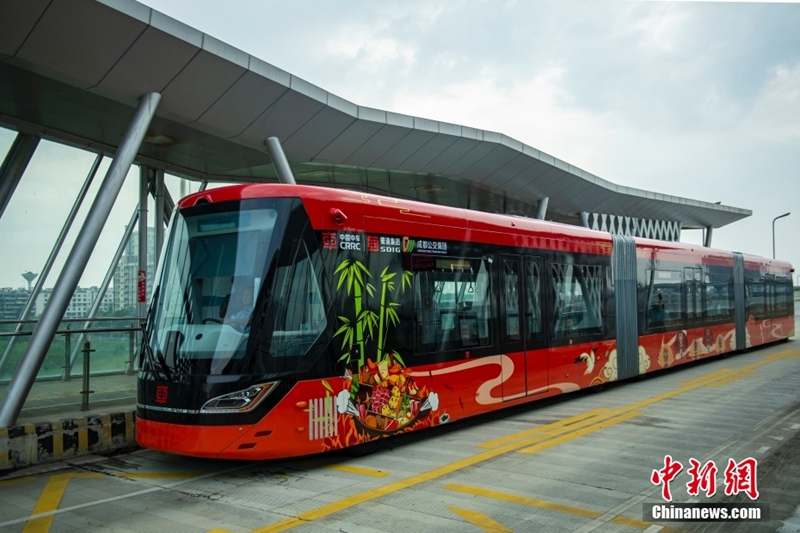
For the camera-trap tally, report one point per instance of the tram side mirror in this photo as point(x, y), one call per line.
point(338, 216)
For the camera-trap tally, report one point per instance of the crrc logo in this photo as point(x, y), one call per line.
point(162, 393)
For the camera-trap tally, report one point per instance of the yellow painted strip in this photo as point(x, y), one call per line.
point(160, 475)
point(531, 502)
point(581, 432)
point(481, 520)
point(49, 500)
point(3, 448)
point(106, 431)
point(731, 379)
point(129, 427)
point(58, 443)
point(372, 494)
point(83, 436)
point(547, 427)
point(630, 522)
point(219, 531)
point(358, 470)
point(699, 381)
point(17, 480)
point(544, 504)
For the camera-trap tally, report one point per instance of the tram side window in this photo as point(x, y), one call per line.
point(578, 293)
point(718, 298)
point(664, 309)
point(783, 296)
point(755, 296)
point(452, 303)
point(533, 294)
point(694, 296)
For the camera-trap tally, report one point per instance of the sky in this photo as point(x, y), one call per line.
point(693, 99)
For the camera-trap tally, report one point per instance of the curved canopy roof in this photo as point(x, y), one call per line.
point(74, 70)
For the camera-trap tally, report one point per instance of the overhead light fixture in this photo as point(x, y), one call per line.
point(159, 139)
point(427, 188)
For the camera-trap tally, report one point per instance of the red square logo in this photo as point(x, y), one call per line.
point(162, 393)
point(329, 241)
point(372, 243)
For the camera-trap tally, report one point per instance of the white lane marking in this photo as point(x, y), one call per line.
point(655, 528)
point(795, 426)
point(778, 438)
point(762, 449)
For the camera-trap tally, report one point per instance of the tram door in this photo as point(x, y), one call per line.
point(521, 332)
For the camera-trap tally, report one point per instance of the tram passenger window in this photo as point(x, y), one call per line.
point(511, 313)
point(755, 294)
point(533, 293)
point(452, 305)
point(718, 295)
point(783, 296)
point(694, 302)
point(578, 300)
point(665, 302)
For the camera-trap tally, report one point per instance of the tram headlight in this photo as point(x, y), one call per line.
point(239, 401)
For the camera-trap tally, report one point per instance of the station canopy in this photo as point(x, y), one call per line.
point(74, 70)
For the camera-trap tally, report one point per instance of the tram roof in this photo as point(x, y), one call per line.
point(74, 70)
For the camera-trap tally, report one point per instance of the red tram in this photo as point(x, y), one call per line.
point(289, 320)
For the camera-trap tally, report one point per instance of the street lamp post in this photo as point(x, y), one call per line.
point(773, 231)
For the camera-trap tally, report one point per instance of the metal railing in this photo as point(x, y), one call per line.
point(133, 332)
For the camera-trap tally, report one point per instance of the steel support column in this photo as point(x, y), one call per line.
point(709, 233)
point(159, 215)
point(141, 282)
point(541, 209)
point(584, 218)
point(53, 254)
point(96, 218)
point(14, 165)
point(279, 161)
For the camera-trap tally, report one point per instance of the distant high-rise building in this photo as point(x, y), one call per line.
point(81, 302)
point(126, 275)
point(12, 302)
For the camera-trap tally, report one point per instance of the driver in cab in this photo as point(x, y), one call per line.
point(236, 309)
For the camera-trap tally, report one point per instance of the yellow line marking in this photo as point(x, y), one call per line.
point(547, 427)
point(481, 520)
point(531, 502)
point(219, 531)
point(17, 480)
point(438, 472)
point(159, 475)
point(358, 470)
point(49, 500)
point(581, 432)
point(731, 379)
point(708, 377)
point(544, 504)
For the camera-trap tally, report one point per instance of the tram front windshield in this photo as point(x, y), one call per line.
point(238, 288)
